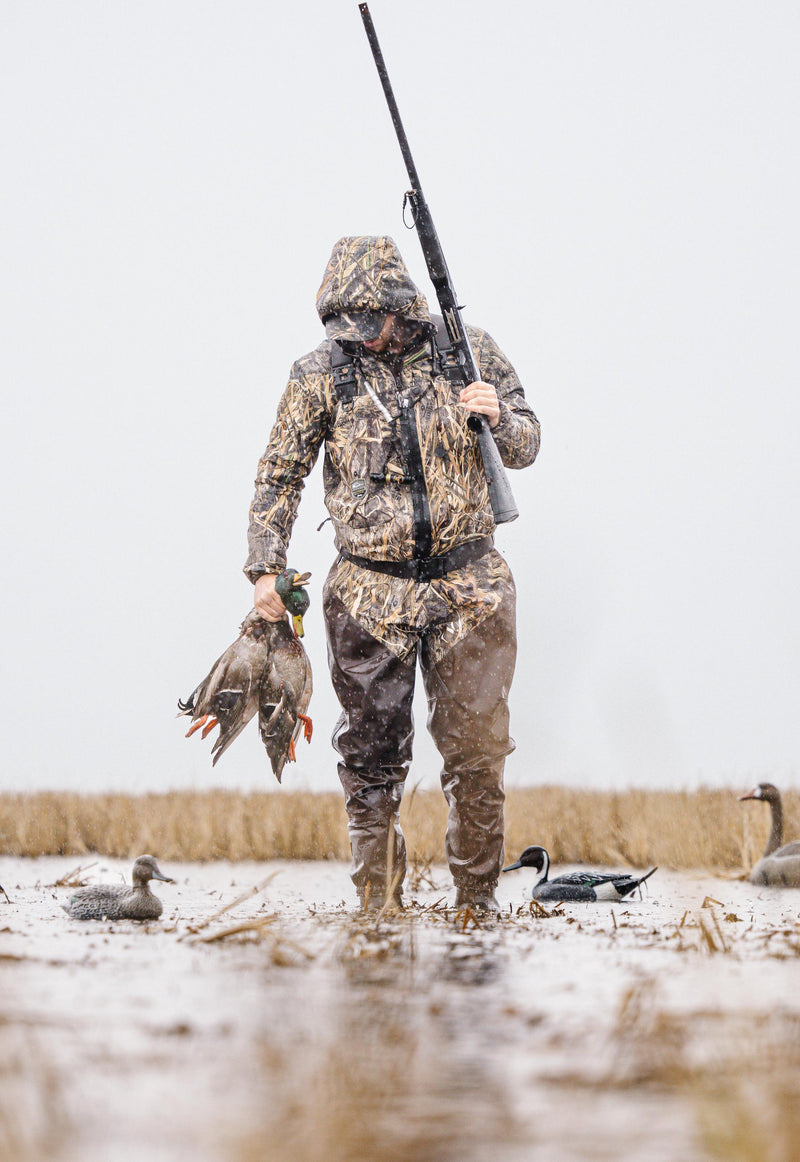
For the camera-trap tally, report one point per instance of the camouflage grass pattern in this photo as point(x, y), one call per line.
point(366, 273)
point(399, 611)
point(367, 488)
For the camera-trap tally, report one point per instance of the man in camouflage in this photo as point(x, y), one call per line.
point(417, 576)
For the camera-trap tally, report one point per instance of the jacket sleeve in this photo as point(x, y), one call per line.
point(290, 455)
point(517, 434)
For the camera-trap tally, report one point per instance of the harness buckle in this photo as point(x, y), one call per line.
point(430, 568)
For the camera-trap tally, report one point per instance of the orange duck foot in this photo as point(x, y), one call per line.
point(308, 726)
point(212, 722)
point(208, 721)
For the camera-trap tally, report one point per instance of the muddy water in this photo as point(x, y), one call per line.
point(617, 1031)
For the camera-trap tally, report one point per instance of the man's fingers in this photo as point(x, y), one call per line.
point(271, 612)
point(266, 601)
point(481, 398)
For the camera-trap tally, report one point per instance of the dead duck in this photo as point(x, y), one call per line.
point(228, 696)
point(265, 671)
point(284, 695)
point(580, 885)
point(779, 866)
point(118, 901)
point(289, 587)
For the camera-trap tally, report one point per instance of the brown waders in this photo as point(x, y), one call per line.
point(467, 684)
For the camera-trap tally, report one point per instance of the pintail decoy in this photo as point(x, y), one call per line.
point(779, 867)
point(580, 885)
point(118, 901)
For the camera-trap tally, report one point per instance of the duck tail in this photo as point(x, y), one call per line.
point(647, 877)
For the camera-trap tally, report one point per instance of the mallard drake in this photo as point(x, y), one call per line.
point(118, 901)
point(265, 671)
point(580, 885)
point(289, 587)
point(284, 695)
point(779, 866)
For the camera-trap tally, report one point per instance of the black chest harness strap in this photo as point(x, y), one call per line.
point(423, 567)
point(343, 364)
point(343, 369)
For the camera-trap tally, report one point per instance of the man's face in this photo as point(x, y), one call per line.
point(388, 342)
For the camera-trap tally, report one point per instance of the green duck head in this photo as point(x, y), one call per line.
point(288, 586)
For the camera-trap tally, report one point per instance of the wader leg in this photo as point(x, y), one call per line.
point(373, 736)
point(468, 718)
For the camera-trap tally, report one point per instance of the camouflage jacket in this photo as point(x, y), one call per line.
point(401, 411)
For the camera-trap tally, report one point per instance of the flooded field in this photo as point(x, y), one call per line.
point(288, 1027)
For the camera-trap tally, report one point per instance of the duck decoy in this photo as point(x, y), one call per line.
point(779, 866)
point(265, 671)
point(580, 885)
point(118, 901)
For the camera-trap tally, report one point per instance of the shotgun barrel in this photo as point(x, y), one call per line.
point(500, 495)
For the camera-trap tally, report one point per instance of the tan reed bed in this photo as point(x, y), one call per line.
point(678, 829)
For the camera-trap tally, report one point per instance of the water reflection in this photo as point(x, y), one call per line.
point(404, 1061)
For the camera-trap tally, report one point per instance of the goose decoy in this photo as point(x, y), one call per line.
point(118, 901)
point(779, 867)
point(580, 885)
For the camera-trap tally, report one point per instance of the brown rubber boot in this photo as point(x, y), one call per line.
point(479, 898)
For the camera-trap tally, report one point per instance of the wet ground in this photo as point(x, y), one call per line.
point(289, 1027)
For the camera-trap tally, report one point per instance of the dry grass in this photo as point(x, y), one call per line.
point(679, 829)
point(741, 1074)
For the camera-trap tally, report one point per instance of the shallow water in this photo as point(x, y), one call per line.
point(597, 1032)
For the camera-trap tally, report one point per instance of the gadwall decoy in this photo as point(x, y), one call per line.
point(580, 885)
point(267, 671)
point(779, 867)
point(118, 901)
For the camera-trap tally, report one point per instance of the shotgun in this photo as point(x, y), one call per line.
point(500, 495)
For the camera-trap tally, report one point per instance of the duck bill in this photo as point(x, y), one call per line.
point(513, 866)
point(157, 875)
point(297, 625)
point(300, 579)
point(754, 794)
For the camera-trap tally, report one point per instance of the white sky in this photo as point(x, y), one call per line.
point(616, 186)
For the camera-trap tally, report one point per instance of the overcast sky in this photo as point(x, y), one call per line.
point(616, 186)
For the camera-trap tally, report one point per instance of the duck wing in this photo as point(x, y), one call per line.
point(590, 885)
point(96, 902)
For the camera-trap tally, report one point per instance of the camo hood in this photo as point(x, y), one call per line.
point(367, 274)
